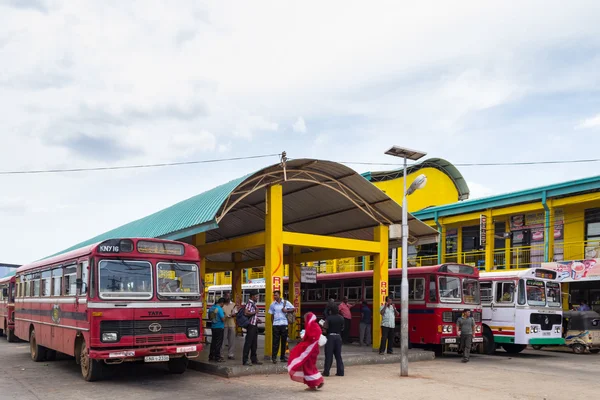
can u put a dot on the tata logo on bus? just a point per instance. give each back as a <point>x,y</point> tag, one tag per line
<point>154,328</point>
<point>155,313</point>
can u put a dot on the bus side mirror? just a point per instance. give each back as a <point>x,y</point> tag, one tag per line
<point>5,292</point>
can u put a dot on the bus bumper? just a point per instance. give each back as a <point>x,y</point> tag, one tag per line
<point>546,341</point>
<point>150,354</point>
<point>456,340</point>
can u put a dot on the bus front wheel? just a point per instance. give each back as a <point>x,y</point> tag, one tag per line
<point>178,365</point>
<point>489,346</point>
<point>513,348</point>
<point>91,370</point>
<point>38,353</point>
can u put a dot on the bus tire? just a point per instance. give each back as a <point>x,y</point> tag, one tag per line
<point>537,347</point>
<point>38,353</point>
<point>10,336</point>
<point>178,365</point>
<point>489,346</point>
<point>513,348</point>
<point>2,331</point>
<point>91,370</point>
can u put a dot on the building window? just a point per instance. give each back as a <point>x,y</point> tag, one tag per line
<point>470,238</point>
<point>592,233</point>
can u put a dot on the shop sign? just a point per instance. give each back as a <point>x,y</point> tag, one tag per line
<point>576,271</point>
<point>482,229</point>
<point>277,283</point>
<point>308,275</point>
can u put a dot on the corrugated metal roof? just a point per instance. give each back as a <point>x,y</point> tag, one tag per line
<point>320,197</point>
<point>439,163</point>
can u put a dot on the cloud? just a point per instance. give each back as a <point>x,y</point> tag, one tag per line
<point>299,126</point>
<point>37,5</point>
<point>592,122</point>
<point>249,125</point>
<point>97,148</point>
<point>478,190</point>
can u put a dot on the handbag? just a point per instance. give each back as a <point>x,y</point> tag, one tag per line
<point>289,315</point>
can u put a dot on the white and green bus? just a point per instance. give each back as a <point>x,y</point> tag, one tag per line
<point>520,308</point>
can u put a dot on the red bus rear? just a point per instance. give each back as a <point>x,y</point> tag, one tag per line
<point>7,307</point>
<point>437,297</point>
<point>118,301</point>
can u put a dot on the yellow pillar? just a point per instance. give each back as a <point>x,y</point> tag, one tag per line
<point>489,241</point>
<point>551,232</point>
<point>236,280</point>
<point>380,280</point>
<point>295,292</point>
<point>442,244</point>
<point>335,266</point>
<point>507,252</point>
<point>199,240</point>
<point>459,254</point>
<point>273,255</point>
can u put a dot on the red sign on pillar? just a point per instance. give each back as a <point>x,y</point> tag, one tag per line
<point>277,283</point>
<point>296,295</point>
<point>383,290</point>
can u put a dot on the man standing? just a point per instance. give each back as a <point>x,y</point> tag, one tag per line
<point>278,310</point>
<point>364,334</point>
<point>230,311</point>
<point>466,326</point>
<point>345,312</point>
<point>334,324</point>
<point>388,324</point>
<point>251,342</point>
<point>216,311</point>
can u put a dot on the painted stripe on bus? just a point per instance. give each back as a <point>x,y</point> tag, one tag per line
<point>46,323</point>
<point>77,316</point>
<point>130,305</point>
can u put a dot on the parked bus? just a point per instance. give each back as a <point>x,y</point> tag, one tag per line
<point>521,308</point>
<point>217,291</point>
<point>437,297</point>
<point>7,307</point>
<point>121,300</point>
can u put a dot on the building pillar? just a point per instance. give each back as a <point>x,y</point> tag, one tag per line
<point>295,293</point>
<point>273,271</point>
<point>549,234</point>
<point>459,254</point>
<point>380,280</point>
<point>199,239</point>
<point>489,241</point>
<point>236,280</point>
<point>507,250</point>
<point>442,246</point>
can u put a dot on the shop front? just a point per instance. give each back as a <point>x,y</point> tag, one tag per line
<point>580,282</point>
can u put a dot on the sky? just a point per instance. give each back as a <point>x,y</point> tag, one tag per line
<point>96,84</point>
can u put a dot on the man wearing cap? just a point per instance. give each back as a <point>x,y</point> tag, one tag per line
<point>251,342</point>
<point>466,326</point>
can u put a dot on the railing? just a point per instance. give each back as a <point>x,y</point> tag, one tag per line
<point>474,258</point>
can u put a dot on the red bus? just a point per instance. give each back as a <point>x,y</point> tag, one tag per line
<point>437,297</point>
<point>7,307</point>
<point>118,301</point>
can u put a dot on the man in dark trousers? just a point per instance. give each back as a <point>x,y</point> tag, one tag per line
<point>251,342</point>
<point>466,326</point>
<point>334,324</point>
<point>279,310</point>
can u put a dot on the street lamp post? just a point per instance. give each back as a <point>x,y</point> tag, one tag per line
<point>406,154</point>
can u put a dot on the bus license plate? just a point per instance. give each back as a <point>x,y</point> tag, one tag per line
<point>545,333</point>
<point>156,358</point>
<point>477,340</point>
<point>450,340</point>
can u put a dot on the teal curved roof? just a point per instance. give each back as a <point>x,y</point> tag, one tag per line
<point>438,163</point>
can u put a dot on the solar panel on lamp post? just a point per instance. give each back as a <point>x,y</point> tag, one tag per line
<point>406,154</point>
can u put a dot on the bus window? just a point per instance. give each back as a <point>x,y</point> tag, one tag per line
<point>416,289</point>
<point>28,286</point>
<point>369,293</point>
<point>521,293</point>
<point>36,286</point>
<point>84,277</point>
<point>486,292</point>
<point>450,290</point>
<point>505,292</point>
<point>471,291</point>
<point>354,293</point>
<point>333,293</point>
<point>211,298</point>
<point>46,283</point>
<point>536,295</point>
<point>311,295</point>
<point>57,281</point>
<point>70,278</point>
<point>396,292</point>
<point>432,289</point>
<point>553,294</point>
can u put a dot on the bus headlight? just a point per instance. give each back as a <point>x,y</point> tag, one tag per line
<point>110,337</point>
<point>536,329</point>
<point>478,329</point>
<point>192,332</point>
<point>557,329</point>
<point>447,329</point>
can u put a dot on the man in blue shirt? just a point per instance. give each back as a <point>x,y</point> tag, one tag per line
<point>279,310</point>
<point>366,318</point>
<point>217,327</point>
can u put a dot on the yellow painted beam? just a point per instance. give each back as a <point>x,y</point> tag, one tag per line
<point>582,198</point>
<point>330,242</point>
<point>232,245</point>
<point>522,208</point>
<point>273,270</point>
<point>295,292</point>
<point>380,280</point>
<point>461,219</point>
<point>326,255</point>
<point>489,241</point>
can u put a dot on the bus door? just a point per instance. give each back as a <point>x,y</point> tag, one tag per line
<point>503,307</point>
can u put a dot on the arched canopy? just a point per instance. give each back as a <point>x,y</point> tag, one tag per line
<point>319,197</point>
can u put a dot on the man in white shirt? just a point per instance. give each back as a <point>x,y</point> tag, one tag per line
<point>278,310</point>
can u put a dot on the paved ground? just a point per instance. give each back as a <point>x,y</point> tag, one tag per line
<point>531,375</point>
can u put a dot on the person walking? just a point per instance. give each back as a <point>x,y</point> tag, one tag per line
<point>466,325</point>
<point>302,365</point>
<point>388,324</point>
<point>344,309</point>
<point>229,333</point>
<point>217,326</point>
<point>366,318</point>
<point>330,304</point>
<point>251,342</point>
<point>278,310</point>
<point>334,324</point>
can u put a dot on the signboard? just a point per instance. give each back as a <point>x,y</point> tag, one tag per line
<point>576,271</point>
<point>277,283</point>
<point>482,229</point>
<point>383,289</point>
<point>308,275</point>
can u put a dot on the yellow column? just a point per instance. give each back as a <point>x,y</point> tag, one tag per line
<point>489,241</point>
<point>236,280</point>
<point>380,280</point>
<point>459,255</point>
<point>335,266</point>
<point>273,255</point>
<point>442,244</point>
<point>295,292</point>
<point>507,252</point>
<point>199,240</point>
<point>551,232</point>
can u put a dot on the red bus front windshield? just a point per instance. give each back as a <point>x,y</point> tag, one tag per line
<point>134,280</point>
<point>454,289</point>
